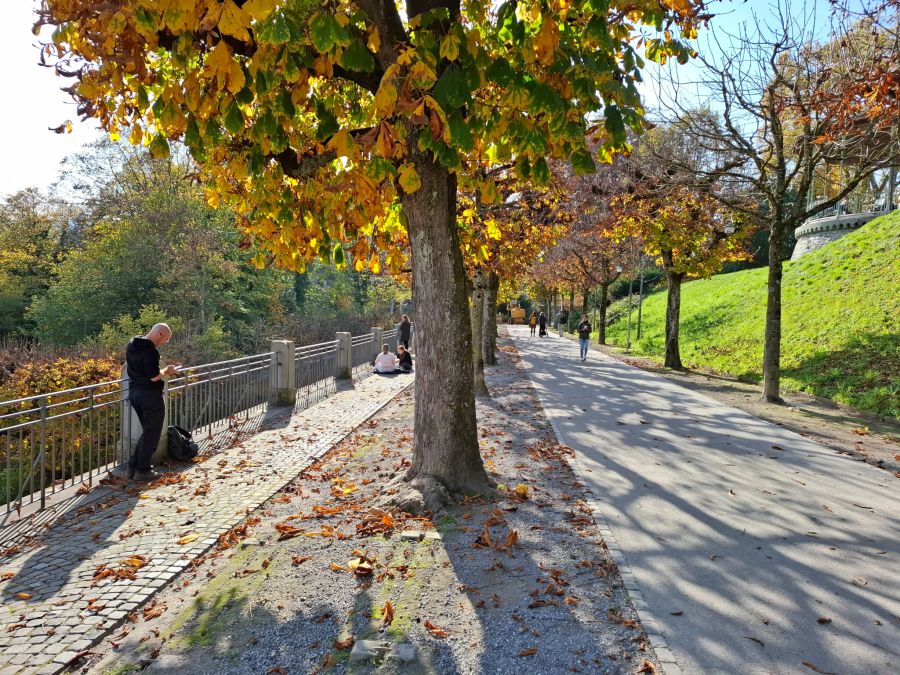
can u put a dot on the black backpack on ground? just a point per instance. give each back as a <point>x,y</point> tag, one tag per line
<point>182,446</point>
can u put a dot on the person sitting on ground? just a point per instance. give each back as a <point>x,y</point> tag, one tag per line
<point>386,361</point>
<point>404,360</point>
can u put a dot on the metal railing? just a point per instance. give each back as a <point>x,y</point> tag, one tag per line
<point>363,350</point>
<point>50,442</point>
<point>314,372</point>
<point>207,400</point>
<point>59,440</point>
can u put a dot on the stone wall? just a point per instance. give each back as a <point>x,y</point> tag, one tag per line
<point>817,232</point>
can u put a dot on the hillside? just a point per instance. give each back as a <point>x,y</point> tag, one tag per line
<point>841,322</point>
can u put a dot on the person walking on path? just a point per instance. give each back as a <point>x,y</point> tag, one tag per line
<point>584,336</point>
<point>542,322</point>
<point>404,331</point>
<point>532,322</point>
<point>145,394</point>
<point>561,319</point>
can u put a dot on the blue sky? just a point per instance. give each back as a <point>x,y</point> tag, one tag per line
<point>33,101</point>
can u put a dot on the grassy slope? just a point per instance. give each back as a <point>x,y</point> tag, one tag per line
<point>840,327</point>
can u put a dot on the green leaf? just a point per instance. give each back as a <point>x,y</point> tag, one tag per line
<point>500,72</point>
<point>328,124</point>
<point>326,33</point>
<point>582,162</point>
<point>544,98</point>
<point>357,57</point>
<point>234,119</point>
<point>256,163</point>
<point>284,104</point>
<point>614,124</point>
<point>460,134</point>
<point>452,90</point>
<point>192,134</point>
<point>540,172</point>
<point>338,254</point>
<point>274,30</point>
<point>159,147</point>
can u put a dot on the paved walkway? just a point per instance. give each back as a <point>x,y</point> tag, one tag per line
<point>57,601</point>
<point>747,548</point>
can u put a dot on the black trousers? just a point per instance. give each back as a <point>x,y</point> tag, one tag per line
<point>151,411</point>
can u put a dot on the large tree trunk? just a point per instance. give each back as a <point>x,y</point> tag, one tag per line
<point>673,318</point>
<point>489,329</point>
<point>446,457</point>
<point>476,316</point>
<point>601,327</point>
<point>772,345</point>
<point>584,301</point>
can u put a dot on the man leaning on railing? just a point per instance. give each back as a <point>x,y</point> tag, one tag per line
<point>145,393</point>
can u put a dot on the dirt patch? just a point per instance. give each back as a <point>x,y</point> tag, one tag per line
<point>843,429</point>
<point>512,582</point>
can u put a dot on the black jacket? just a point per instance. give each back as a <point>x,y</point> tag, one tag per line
<point>584,330</point>
<point>142,359</point>
<point>404,330</point>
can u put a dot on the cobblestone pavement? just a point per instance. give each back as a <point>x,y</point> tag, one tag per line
<point>91,570</point>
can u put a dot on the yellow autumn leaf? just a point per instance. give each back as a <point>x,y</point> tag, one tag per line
<point>188,538</point>
<point>409,179</point>
<point>547,40</point>
<point>233,21</point>
<point>375,264</point>
<point>343,144</point>
<point>374,40</point>
<point>23,596</point>
<point>385,99</point>
<point>259,10</point>
<point>136,135</point>
<point>489,193</point>
<point>360,264</point>
<point>450,47</point>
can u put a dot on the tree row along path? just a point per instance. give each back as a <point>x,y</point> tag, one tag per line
<point>92,570</point>
<point>746,547</point>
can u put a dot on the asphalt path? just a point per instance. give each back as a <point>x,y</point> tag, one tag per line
<point>754,549</point>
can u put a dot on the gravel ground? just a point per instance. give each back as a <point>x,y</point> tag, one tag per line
<point>518,582</point>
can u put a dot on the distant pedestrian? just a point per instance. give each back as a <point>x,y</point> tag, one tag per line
<point>145,393</point>
<point>584,336</point>
<point>532,322</point>
<point>404,331</point>
<point>561,319</point>
<point>542,322</point>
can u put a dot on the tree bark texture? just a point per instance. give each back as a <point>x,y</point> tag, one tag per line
<point>772,343</point>
<point>673,319</point>
<point>489,329</point>
<point>601,323</point>
<point>476,315</point>
<point>445,437</point>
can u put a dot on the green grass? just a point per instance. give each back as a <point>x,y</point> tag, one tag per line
<point>840,323</point>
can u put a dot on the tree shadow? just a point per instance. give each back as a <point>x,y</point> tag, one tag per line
<point>742,536</point>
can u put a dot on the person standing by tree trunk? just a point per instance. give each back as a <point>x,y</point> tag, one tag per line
<point>145,394</point>
<point>405,331</point>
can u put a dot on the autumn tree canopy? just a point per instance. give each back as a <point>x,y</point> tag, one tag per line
<point>352,124</point>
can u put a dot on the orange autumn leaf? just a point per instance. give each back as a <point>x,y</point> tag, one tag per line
<point>344,644</point>
<point>435,631</point>
<point>334,567</point>
<point>531,651</point>
<point>7,575</point>
<point>511,540</point>
<point>188,538</point>
<point>23,596</point>
<point>387,613</point>
<point>136,561</point>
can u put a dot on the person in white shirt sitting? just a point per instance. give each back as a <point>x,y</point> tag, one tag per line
<point>386,361</point>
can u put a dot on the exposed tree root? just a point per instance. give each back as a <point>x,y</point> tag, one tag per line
<point>425,494</point>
